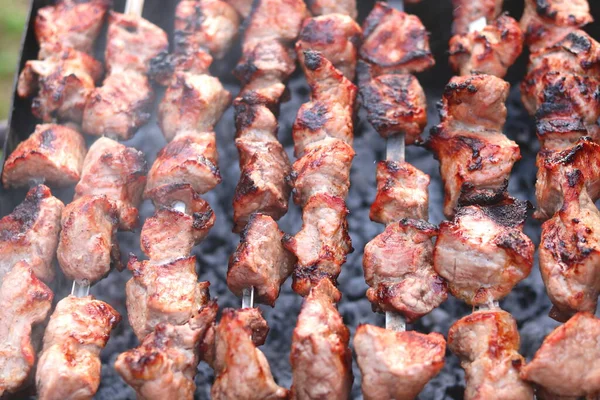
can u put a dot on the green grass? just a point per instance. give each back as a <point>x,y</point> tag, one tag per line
<point>12,23</point>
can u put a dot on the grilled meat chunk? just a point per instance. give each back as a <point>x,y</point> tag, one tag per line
<point>210,25</point>
<point>53,154</point>
<point>243,7</point>
<point>475,157</point>
<point>487,343</point>
<point>398,268</point>
<point>467,11</point>
<point>489,51</point>
<point>26,301</point>
<point>71,23</point>
<point>69,366</point>
<point>30,233</point>
<point>325,7</point>
<point>548,22</point>
<point>397,365</point>
<point>166,292</point>
<point>88,244</point>
<point>163,367</point>
<point>570,251</point>
<point>323,243</point>
<point>568,362</point>
<point>395,42</point>
<point>402,192</point>
<point>62,79</point>
<point>336,36</point>
<point>118,172</point>
<point>260,261</point>
<point>330,111</point>
<point>320,357</point>
<point>242,371</point>
<point>484,253</point>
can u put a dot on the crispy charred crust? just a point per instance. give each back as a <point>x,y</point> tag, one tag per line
<point>511,213</point>
<point>313,60</point>
<point>161,68</point>
<point>24,215</point>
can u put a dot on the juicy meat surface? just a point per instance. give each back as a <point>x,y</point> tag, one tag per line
<point>397,365</point>
<point>71,23</point>
<point>320,357</point>
<point>163,367</point>
<point>260,261</point>
<point>402,192</point>
<point>475,157</point>
<point>242,370</point>
<point>483,253</point>
<point>118,172</point>
<point>26,301</point>
<point>395,42</point>
<point>88,246</point>
<point>467,11</point>
<point>336,36</point>
<point>489,51</point>
<point>325,7</point>
<point>546,22</point>
<point>52,153</point>
<point>487,343</point>
<point>30,233</point>
<point>322,244</point>
<point>568,362</point>
<point>69,366</point>
<point>398,266</point>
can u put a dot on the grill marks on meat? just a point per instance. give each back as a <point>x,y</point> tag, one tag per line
<point>26,301</point>
<point>30,233</point>
<point>483,253</point>
<point>489,51</point>
<point>398,266</point>
<point>123,103</point>
<point>568,362</point>
<point>260,261</point>
<point>320,357</point>
<point>467,11</point>
<point>475,157</point>
<point>546,22</point>
<point>242,370</point>
<point>325,7</point>
<point>69,365</point>
<point>487,343</point>
<point>53,154</point>
<point>397,365</point>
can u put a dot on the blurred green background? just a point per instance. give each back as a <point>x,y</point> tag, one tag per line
<point>12,22</point>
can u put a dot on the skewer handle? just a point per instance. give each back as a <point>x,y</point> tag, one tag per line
<point>134,7</point>
<point>394,322</point>
<point>248,298</point>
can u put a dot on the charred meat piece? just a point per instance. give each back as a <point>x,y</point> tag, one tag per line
<point>570,251</point>
<point>242,370</point>
<point>118,172</point>
<point>323,243</point>
<point>487,343</point>
<point>568,362</point>
<point>320,357</point>
<point>30,233</point>
<point>53,154</point>
<point>397,365</point>
<point>402,192</point>
<point>325,7</point>
<point>489,51</point>
<point>163,367</point>
<point>475,157</point>
<point>69,366</point>
<point>484,253</point>
<point>26,301</point>
<point>468,11</point>
<point>62,79</point>
<point>395,42</point>
<point>336,36</point>
<point>330,112</point>
<point>260,261</point>
<point>205,25</point>
<point>548,22</point>
<point>71,23</point>
<point>163,292</point>
<point>88,244</point>
<point>398,267</point>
